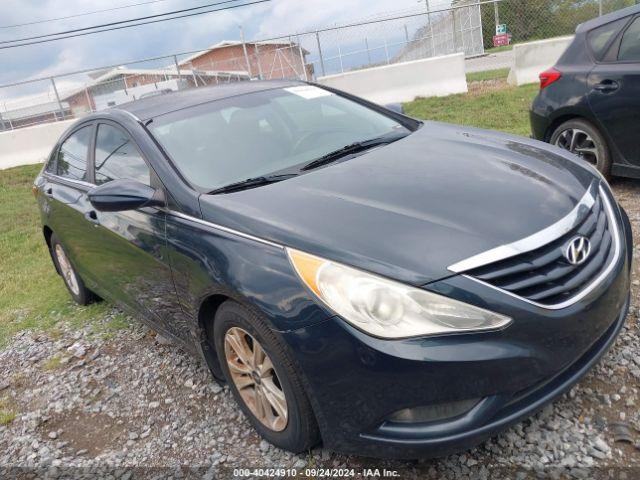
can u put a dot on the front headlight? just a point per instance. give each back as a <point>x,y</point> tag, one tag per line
<point>385,308</point>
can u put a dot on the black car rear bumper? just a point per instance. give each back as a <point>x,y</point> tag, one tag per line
<point>540,122</point>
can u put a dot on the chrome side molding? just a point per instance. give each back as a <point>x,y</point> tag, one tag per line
<point>222,228</point>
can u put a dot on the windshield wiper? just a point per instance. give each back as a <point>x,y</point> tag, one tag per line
<point>252,182</point>
<point>352,148</point>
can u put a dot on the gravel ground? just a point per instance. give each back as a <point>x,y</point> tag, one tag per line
<point>136,405</point>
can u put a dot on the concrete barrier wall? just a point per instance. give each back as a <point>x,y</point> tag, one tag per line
<point>25,146</point>
<point>403,82</point>
<point>532,58</point>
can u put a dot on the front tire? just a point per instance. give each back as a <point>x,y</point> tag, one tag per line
<point>585,140</point>
<point>263,379</point>
<point>76,287</point>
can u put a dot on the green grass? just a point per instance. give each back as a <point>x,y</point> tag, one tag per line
<point>503,108</point>
<point>32,295</point>
<point>7,413</point>
<point>499,74</point>
<point>52,363</point>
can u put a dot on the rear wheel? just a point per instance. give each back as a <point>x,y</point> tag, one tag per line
<point>582,138</point>
<point>263,379</point>
<point>79,292</point>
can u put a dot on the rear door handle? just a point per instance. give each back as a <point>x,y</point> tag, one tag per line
<point>607,86</point>
<point>92,216</point>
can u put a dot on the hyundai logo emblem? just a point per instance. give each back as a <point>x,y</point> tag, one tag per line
<point>577,250</point>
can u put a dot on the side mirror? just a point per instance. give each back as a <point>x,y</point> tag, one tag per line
<point>120,195</point>
<point>395,107</point>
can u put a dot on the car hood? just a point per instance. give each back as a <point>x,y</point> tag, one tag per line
<point>410,209</point>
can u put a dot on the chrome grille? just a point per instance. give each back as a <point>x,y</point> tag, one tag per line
<point>544,275</point>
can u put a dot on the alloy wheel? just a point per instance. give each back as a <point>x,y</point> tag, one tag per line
<point>579,142</point>
<point>67,270</point>
<point>254,375</point>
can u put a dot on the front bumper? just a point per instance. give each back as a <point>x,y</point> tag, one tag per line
<point>355,382</point>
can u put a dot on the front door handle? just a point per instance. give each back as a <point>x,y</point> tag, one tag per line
<point>92,216</point>
<point>607,86</point>
<point>49,192</point>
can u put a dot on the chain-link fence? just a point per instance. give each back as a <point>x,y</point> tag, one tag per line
<point>527,20</point>
<point>438,27</point>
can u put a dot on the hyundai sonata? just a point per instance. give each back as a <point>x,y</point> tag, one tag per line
<point>387,286</point>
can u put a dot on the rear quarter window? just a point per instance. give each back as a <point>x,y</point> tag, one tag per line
<point>630,44</point>
<point>599,38</point>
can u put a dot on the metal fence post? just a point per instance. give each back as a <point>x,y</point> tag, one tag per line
<point>55,90</point>
<point>320,53</point>
<point>406,33</point>
<point>301,52</point>
<point>257,52</point>
<point>433,40</point>
<point>175,60</point>
<point>496,12</point>
<point>86,93</point>
<point>455,31</point>
<point>600,8</point>
<point>366,44</point>
<point>339,51</point>
<point>386,51</point>
<point>244,49</point>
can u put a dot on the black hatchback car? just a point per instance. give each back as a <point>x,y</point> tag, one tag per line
<point>589,102</point>
<point>387,286</point>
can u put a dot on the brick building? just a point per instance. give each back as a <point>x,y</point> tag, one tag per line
<point>120,85</point>
<point>266,60</point>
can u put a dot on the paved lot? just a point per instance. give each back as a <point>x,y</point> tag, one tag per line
<point>492,61</point>
<point>133,404</point>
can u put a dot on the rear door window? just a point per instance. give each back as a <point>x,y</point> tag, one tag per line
<point>73,154</point>
<point>630,44</point>
<point>118,157</point>
<point>599,38</point>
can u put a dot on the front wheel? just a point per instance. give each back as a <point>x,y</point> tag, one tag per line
<point>583,139</point>
<point>263,379</point>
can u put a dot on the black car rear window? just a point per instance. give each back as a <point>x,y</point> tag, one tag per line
<point>599,37</point>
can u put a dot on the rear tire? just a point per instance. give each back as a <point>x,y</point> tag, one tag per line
<point>72,280</point>
<point>585,140</point>
<point>289,423</point>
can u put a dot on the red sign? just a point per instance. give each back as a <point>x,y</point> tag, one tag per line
<point>501,40</point>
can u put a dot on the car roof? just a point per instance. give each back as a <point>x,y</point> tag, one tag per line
<point>609,17</point>
<point>153,106</point>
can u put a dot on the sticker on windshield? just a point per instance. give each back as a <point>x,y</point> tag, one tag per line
<point>308,91</point>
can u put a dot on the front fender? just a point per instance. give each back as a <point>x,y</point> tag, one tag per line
<point>209,261</point>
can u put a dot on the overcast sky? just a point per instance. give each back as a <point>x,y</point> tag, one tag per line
<point>259,21</point>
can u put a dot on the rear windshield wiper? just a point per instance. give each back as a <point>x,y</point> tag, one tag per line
<point>252,182</point>
<point>352,148</point>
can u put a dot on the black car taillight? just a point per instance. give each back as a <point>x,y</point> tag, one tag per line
<point>548,77</point>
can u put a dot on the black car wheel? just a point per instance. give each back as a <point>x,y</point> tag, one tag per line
<point>79,292</point>
<point>583,139</point>
<point>263,379</point>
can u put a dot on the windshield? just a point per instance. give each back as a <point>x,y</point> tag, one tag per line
<point>248,136</point>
